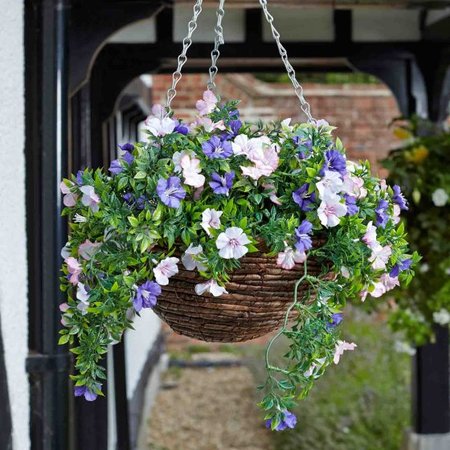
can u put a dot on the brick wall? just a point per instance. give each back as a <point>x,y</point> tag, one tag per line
<point>361,112</point>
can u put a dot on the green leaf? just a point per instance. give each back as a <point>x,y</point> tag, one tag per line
<point>140,175</point>
<point>133,221</point>
<point>64,339</point>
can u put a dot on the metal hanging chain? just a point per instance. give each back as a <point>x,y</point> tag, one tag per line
<point>218,40</point>
<point>182,58</point>
<point>304,105</point>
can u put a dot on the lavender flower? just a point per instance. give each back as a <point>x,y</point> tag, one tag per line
<point>217,148</point>
<point>336,319</point>
<point>303,199</point>
<point>182,129</point>
<point>235,126</point>
<point>222,185</point>
<point>146,295</point>
<point>302,233</point>
<point>128,197</point>
<point>127,147</point>
<point>88,394</point>
<point>304,146</point>
<point>399,198</point>
<point>170,191</point>
<point>80,178</point>
<point>381,214</point>
<point>115,168</point>
<point>334,162</point>
<point>400,267</point>
<point>289,421</point>
<point>352,207</point>
<point>127,156</point>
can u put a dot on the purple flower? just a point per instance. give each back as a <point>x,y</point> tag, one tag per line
<point>302,233</point>
<point>381,215</point>
<point>235,126</point>
<point>304,146</point>
<point>400,267</point>
<point>399,198</point>
<point>128,197</point>
<point>182,129</point>
<point>115,167</point>
<point>222,185</point>
<point>352,207</point>
<point>336,319</point>
<point>170,191</point>
<point>303,199</point>
<point>335,162</point>
<point>128,158</point>
<point>88,394</point>
<point>217,148</point>
<point>234,114</point>
<point>127,147</point>
<point>146,295</point>
<point>289,421</point>
<point>80,178</point>
<point>140,202</point>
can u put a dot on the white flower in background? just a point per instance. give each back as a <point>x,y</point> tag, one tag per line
<point>208,104</point>
<point>442,317</point>
<point>210,286</point>
<point>331,183</point>
<point>232,243</point>
<point>370,237</point>
<point>380,256</point>
<point>331,209</point>
<point>83,297</point>
<point>211,219</point>
<point>447,271</point>
<point>90,198</point>
<point>341,347</point>
<point>404,347</point>
<point>165,269</point>
<point>191,258</point>
<point>191,171</point>
<point>424,268</point>
<point>287,259</point>
<point>439,197</point>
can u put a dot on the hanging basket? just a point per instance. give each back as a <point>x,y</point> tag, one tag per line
<point>259,293</point>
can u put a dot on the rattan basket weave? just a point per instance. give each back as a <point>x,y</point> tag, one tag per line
<point>259,294</point>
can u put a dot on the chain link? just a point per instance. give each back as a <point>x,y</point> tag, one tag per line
<point>304,105</point>
<point>218,40</point>
<point>182,58</point>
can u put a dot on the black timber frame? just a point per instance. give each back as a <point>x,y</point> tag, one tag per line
<point>5,408</point>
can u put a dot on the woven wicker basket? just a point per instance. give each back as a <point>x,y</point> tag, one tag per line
<point>259,294</point>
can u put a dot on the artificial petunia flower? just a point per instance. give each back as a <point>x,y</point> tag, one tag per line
<point>352,207</point>
<point>385,284</point>
<point>65,251</point>
<point>289,257</point>
<point>177,157</point>
<point>265,161</point>
<point>70,198</point>
<point>115,168</point>
<point>87,249</point>
<point>208,125</point>
<point>158,124</point>
<point>232,243</point>
<point>146,295</point>
<point>341,347</point>
<point>380,256</point>
<point>210,219</point>
<point>181,128</point>
<point>192,171</point>
<point>370,237</point>
<point>400,267</point>
<point>334,162</point>
<point>354,186</point>
<point>83,391</point>
<point>74,269</point>
<point>289,421</point>
<point>78,218</point>
<point>304,199</point>
<point>217,148</point>
<point>302,234</point>
<point>243,145</point>
<point>83,297</point>
<point>191,258</point>
<point>336,319</point>
<point>381,215</point>
<point>331,183</point>
<point>165,269</point>
<point>90,198</point>
<point>170,191</point>
<point>221,185</point>
<point>208,104</point>
<point>330,210</point>
<point>399,198</point>
<point>210,286</point>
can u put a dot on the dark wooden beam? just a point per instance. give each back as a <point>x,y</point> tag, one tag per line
<point>5,409</point>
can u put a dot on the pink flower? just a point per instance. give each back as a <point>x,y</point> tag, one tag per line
<point>69,199</point>
<point>266,161</point>
<point>176,159</point>
<point>192,258</point>
<point>74,269</point>
<point>158,111</point>
<point>396,214</point>
<point>231,244</point>
<point>90,198</point>
<point>211,219</point>
<point>87,249</point>
<point>287,259</point>
<point>341,347</point>
<point>191,171</point>
<point>331,183</point>
<point>331,209</point>
<point>165,269</point>
<point>210,286</point>
<point>380,256</point>
<point>354,186</point>
<point>160,127</point>
<point>385,284</point>
<point>370,237</point>
<point>208,124</point>
<point>208,104</point>
<point>363,294</point>
<point>63,307</point>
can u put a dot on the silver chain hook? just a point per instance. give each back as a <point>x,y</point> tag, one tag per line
<point>304,105</point>
<point>218,40</point>
<point>182,58</point>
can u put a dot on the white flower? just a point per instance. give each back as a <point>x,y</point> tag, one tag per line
<point>90,198</point>
<point>370,237</point>
<point>442,317</point>
<point>65,251</point>
<point>380,256</point>
<point>341,347</point>
<point>231,244</point>
<point>315,367</point>
<point>385,284</point>
<point>354,186</point>
<point>404,347</point>
<point>83,297</point>
<point>345,272</point>
<point>87,249</point>
<point>331,209</point>
<point>396,214</point>
<point>285,125</point>
<point>266,160</point>
<point>160,127</point>
<point>191,171</point>
<point>208,104</point>
<point>287,259</point>
<point>424,268</point>
<point>165,269</point>
<point>176,159</point>
<point>439,197</point>
<point>191,256</point>
<point>78,218</point>
<point>331,183</point>
<point>208,124</point>
<point>210,286</point>
<point>211,219</point>
<point>242,145</point>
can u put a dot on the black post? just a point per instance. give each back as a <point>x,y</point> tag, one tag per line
<point>5,411</point>
<point>46,146</point>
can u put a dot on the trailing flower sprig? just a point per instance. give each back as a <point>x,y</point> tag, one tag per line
<point>204,195</point>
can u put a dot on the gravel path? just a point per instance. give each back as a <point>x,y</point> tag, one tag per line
<point>208,409</point>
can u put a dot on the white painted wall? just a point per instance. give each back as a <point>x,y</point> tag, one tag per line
<point>13,263</point>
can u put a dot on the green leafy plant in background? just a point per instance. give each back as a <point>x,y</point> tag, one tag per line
<point>421,166</point>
